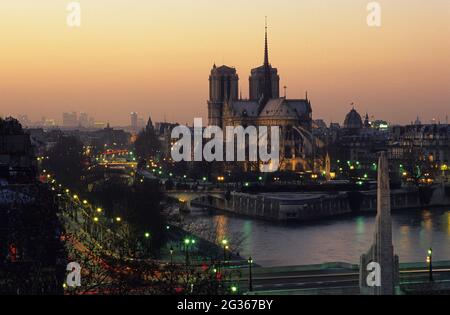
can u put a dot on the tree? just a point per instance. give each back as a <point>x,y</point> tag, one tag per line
<point>30,236</point>
<point>67,161</point>
<point>147,224</point>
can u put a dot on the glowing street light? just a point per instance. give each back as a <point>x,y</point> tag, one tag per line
<point>225,247</point>
<point>187,241</point>
<point>99,210</point>
<point>250,279</point>
<point>118,219</point>
<point>430,264</point>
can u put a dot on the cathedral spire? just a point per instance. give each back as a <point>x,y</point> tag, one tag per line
<point>266,48</point>
<point>267,94</point>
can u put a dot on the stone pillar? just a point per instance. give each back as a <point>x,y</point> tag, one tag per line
<point>382,250</point>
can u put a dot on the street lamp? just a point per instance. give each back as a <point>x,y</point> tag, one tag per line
<point>225,246</point>
<point>118,219</point>
<point>250,279</point>
<point>430,263</point>
<point>186,244</point>
<point>147,242</point>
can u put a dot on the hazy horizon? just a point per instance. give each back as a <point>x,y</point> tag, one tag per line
<point>154,57</point>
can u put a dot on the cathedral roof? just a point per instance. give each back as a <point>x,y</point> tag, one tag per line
<point>276,107</point>
<point>247,108</point>
<point>281,107</point>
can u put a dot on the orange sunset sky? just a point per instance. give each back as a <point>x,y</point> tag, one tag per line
<point>154,56</point>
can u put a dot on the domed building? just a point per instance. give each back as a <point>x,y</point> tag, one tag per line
<point>353,120</point>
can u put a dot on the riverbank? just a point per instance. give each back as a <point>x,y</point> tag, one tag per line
<point>311,206</point>
<point>199,250</point>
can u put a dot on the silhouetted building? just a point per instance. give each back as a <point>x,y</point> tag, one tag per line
<point>17,161</point>
<point>264,108</point>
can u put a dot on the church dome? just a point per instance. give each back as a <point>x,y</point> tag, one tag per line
<point>353,120</point>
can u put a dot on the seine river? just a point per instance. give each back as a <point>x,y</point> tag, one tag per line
<point>337,240</point>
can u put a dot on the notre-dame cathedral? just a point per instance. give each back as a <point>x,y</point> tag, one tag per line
<point>264,107</point>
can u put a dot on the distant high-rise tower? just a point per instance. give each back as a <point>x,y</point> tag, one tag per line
<point>134,121</point>
<point>264,81</point>
<point>83,120</point>
<point>70,120</point>
<point>223,85</point>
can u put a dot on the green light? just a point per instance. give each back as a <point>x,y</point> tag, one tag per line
<point>234,289</point>
<point>187,241</point>
<point>167,227</point>
<point>147,235</point>
<point>260,178</point>
<point>247,184</point>
<point>430,252</point>
<point>204,179</point>
<point>224,242</point>
<point>193,241</point>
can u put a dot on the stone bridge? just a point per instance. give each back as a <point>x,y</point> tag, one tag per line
<point>187,196</point>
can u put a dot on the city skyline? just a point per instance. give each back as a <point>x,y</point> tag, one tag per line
<point>155,58</point>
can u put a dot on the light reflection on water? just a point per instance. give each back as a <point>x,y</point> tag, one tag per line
<point>343,239</point>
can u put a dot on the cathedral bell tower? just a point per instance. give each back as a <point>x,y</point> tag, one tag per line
<point>223,86</point>
<point>264,81</point>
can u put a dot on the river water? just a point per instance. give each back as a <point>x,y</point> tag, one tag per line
<point>337,240</point>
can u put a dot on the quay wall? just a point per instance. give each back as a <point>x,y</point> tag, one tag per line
<point>314,206</point>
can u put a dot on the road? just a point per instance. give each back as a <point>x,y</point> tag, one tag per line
<point>332,280</point>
